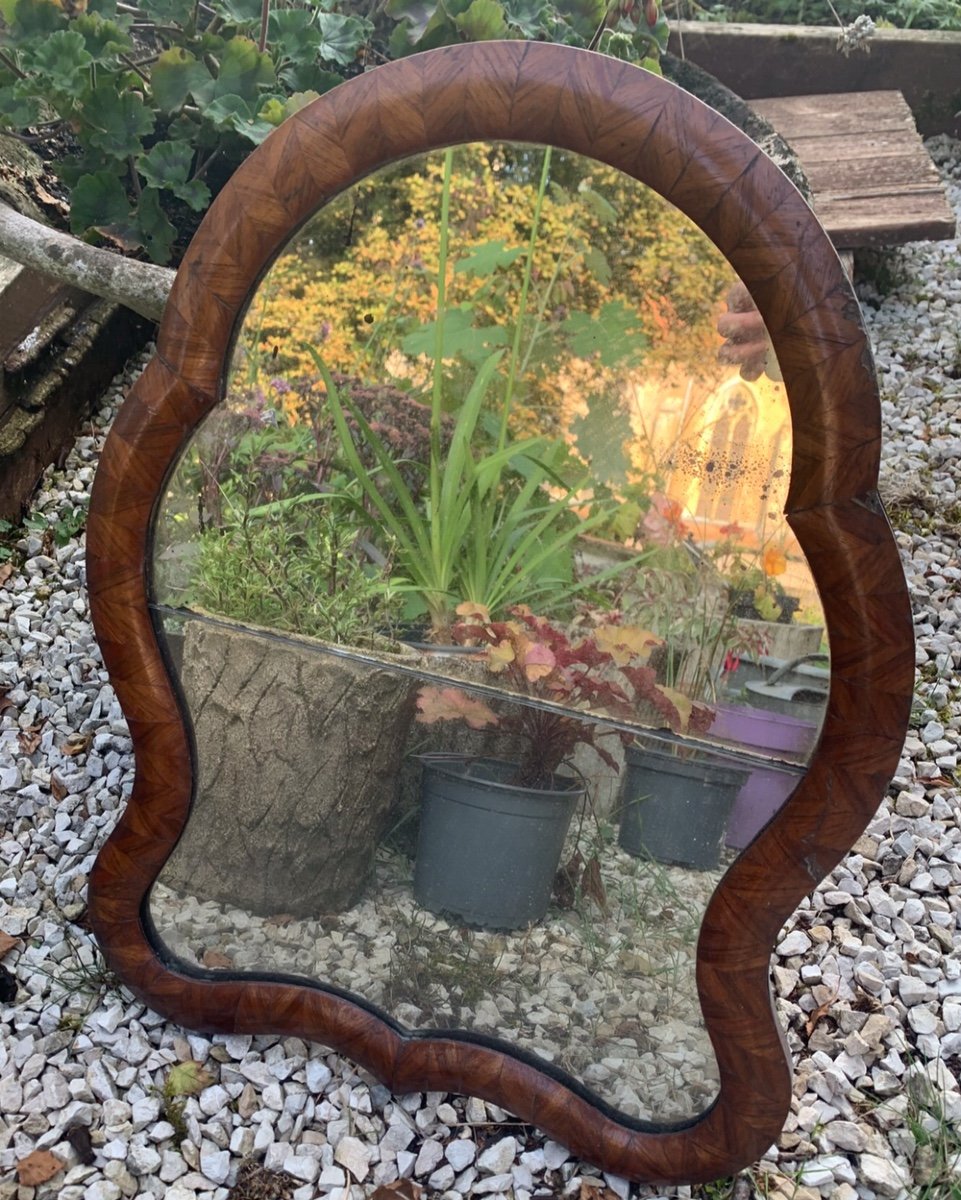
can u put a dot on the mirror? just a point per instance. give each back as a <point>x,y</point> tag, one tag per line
<point>494,643</point>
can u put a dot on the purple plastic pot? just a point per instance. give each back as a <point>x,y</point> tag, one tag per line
<point>768,786</point>
<point>760,729</point>
<point>766,790</point>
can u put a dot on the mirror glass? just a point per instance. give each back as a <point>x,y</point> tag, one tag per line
<point>495,645</point>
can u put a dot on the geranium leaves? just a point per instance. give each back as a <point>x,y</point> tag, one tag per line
<point>175,76</point>
<point>483,21</point>
<point>150,114</point>
<point>118,123</point>
<point>168,166</point>
<point>341,37</point>
<point>63,57</point>
<point>99,202</point>
<point>244,71</point>
<point>98,199</point>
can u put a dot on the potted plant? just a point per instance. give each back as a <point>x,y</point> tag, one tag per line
<point>259,590</point>
<point>492,831</point>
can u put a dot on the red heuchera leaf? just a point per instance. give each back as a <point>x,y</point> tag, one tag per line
<point>644,682</point>
<point>536,661</point>
<point>451,704</point>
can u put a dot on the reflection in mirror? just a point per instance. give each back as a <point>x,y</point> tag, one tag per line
<point>494,642</point>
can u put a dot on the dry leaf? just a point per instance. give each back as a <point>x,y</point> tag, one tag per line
<point>281,920</point>
<point>591,1191</point>
<point>58,789</point>
<point>38,1167</point>
<point>5,701</point>
<point>77,743</point>
<point>592,885</point>
<point>79,1138</point>
<point>215,959</point>
<point>6,570</point>
<point>7,942</point>
<point>29,738</point>
<point>406,1189</point>
<point>187,1078</point>
<point>822,1010</point>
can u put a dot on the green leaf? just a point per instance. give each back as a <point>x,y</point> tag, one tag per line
<point>273,111</point>
<point>461,337</point>
<point>483,21</point>
<point>104,39</point>
<point>97,199</point>
<point>118,121</point>
<point>231,112</point>
<point>600,439</point>
<point>298,101</point>
<point>615,335</point>
<point>599,205</point>
<point>486,258</point>
<point>176,74</point>
<point>168,166</point>
<point>294,31</point>
<point>597,264</point>
<point>168,12</point>
<point>341,37</point>
<point>37,18</point>
<point>244,70</point>
<point>308,77</point>
<point>158,234</point>
<point>225,110</point>
<point>239,12</point>
<point>424,24</point>
<point>63,59</point>
<point>416,16</point>
<point>526,16</point>
<point>18,106</point>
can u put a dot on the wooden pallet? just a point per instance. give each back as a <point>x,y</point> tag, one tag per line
<point>873,182</point>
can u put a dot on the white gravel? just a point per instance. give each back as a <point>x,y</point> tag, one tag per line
<point>867,972</point>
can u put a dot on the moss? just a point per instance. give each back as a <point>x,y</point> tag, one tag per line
<point>17,428</point>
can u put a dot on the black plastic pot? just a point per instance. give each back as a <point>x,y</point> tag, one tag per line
<point>488,850</point>
<point>675,804</point>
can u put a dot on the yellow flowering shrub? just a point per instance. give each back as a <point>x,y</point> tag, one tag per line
<point>621,283</point>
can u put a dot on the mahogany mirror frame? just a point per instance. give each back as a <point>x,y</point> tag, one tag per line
<point>662,136</point>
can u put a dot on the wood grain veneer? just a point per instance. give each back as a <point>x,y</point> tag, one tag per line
<point>649,129</point>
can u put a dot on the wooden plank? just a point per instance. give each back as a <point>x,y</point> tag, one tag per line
<point>855,173</point>
<point>856,223</point>
<point>856,113</point>
<point>872,181</point>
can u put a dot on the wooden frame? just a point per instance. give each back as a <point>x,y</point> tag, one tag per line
<point>646,127</point>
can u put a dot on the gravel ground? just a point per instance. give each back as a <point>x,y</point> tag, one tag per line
<point>868,971</point>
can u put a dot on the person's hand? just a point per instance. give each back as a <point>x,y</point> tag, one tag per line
<point>747,343</point>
